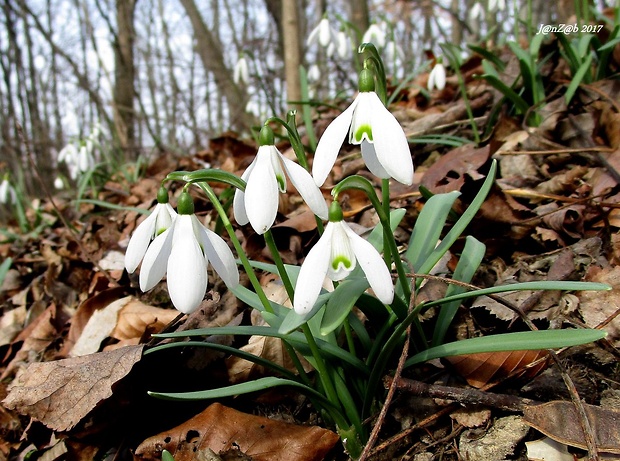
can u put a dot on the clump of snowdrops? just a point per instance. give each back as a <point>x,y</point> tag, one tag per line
<point>342,275</point>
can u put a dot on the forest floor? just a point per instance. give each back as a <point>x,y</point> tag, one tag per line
<point>74,325</point>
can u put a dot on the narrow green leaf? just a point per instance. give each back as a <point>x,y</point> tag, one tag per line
<point>428,227</point>
<point>520,104</point>
<point>539,285</point>
<point>525,340</point>
<point>260,384</point>
<point>577,79</point>
<point>468,264</point>
<point>489,56</point>
<point>460,226</point>
<point>341,302</point>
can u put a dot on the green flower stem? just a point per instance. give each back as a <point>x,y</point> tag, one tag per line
<point>250,272</point>
<point>349,335</point>
<point>320,364</point>
<point>387,250</point>
<point>235,241</point>
<point>277,259</point>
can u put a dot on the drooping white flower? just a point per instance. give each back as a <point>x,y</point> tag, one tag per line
<point>384,145</point>
<point>341,45</point>
<point>375,35</point>
<point>157,222</point>
<point>59,183</point>
<point>265,177</point>
<point>241,71</point>
<point>322,33</point>
<point>8,196</point>
<point>437,76</point>
<point>393,53</point>
<point>497,5</point>
<point>314,73</point>
<point>476,13</point>
<point>182,253</point>
<point>334,256</point>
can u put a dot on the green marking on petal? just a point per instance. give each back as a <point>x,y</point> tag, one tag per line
<point>341,260</point>
<point>281,182</point>
<point>359,133</point>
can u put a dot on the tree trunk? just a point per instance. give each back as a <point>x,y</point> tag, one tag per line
<point>360,16</point>
<point>213,62</point>
<point>124,75</point>
<point>292,49</point>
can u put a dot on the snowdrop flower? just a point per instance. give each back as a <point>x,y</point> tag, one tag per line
<point>59,184</point>
<point>8,196</point>
<point>393,53</point>
<point>335,255</point>
<point>322,33</point>
<point>437,77</point>
<point>265,177</point>
<point>157,222</point>
<point>241,72</point>
<point>314,73</point>
<point>497,5</point>
<point>375,35</point>
<point>384,145</point>
<point>476,12</point>
<point>341,45</point>
<point>182,252</point>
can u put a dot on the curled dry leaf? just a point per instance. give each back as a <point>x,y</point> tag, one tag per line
<point>480,369</point>
<point>60,394</point>
<point>219,428</point>
<point>559,420</point>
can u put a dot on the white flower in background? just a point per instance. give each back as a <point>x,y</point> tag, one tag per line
<point>265,177</point>
<point>59,184</point>
<point>322,33</point>
<point>334,256</point>
<point>80,157</point>
<point>375,35</point>
<point>314,73</point>
<point>476,13</point>
<point>383,142</point>
<point>182,253</point>
<point>497,5</point>
<point>157,222</point>
<point>241,72</point>
<point>393,53</point>
<point>341,45</point>
<point>437,76</point>
<point>8,196</point>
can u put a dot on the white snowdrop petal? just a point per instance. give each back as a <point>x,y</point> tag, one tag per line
<point>239,199</point>
<point>373,265</point>
<point>139,242</point>
<point>187,268</point>
<point>342,258</point>
<point>306,187</point>
<point>312,273</point>
<point>156,260</point>
<point>221,257</point>
<point>391,144</point>
<point>369,154</point>
<point>261,193</point>
<point>330,143</point>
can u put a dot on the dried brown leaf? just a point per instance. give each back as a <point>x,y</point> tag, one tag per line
<point>60,394</point>
<point>559,420</point>
<point>448,173</point>
<point>480,369</point>
<point>220,428</point>
<point>602,306</point>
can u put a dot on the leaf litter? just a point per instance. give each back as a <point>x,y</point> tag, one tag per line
<point>74,325</point>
